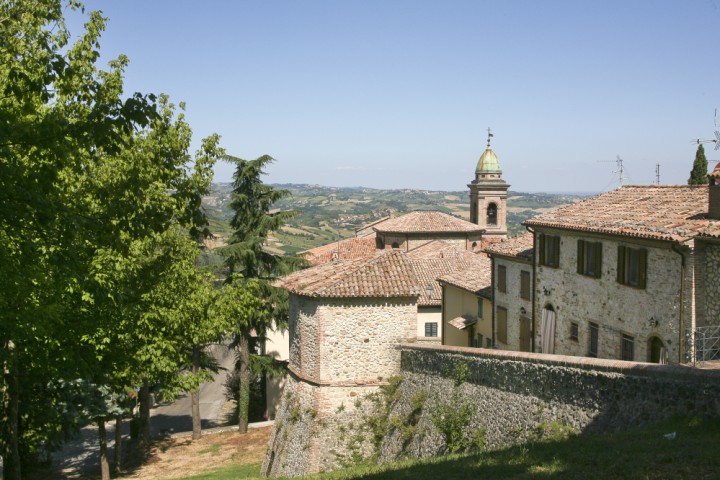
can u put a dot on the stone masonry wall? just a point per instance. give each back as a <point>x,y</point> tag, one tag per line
<point>511,300</point>
<point>708,281</point>
<point>515,395</point>
<point>618,309</point>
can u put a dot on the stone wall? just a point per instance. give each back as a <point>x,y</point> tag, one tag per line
<point>518,395</point>
<point>708,281</point>
<point>655,311</point>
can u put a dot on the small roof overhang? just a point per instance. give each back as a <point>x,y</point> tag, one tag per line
<point>463,321</point>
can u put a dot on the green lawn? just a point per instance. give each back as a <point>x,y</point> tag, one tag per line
<point>643,454</point>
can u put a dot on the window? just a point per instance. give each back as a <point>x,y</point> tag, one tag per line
<point>594,337</point>
<point>627,348</point>
<point>501,324</point>
<point>431,329</point>
<point>502,278</point>
<point>574,331</point>
<point>480,309</point>
<point>549,250</point>
<point>632,266</point>
<point>492,214</point>
<point>589,258</point>
<point>525,285</point>
<point>488,343</point>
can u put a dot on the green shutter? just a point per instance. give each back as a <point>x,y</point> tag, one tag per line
<point>542,249</point>
<point>621,264</point>
<point>581,257</point>
<point>642,268</point>
<point>556,251</point>
<point>598,259</point>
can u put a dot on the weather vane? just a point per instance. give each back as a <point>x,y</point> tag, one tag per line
<point>716,140</point>
<point>490,135</point>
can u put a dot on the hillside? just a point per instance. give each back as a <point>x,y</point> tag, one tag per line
<point>327,214</point>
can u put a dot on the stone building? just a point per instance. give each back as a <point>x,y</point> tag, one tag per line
<point>415,229</point>
<point>512,269</point>
<point>628,274</point>
<point>347,320</point>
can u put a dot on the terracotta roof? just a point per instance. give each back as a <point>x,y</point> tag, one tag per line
<point>436,249</point>
<point>476,278</point>
<point>520,247</point>
<point>463,321</point>
<point>347,249</point>
<point>715,173</point>
<point>671,212</point>
<point>470,270</point>
<point>427,222</point>
<point>387,274</point>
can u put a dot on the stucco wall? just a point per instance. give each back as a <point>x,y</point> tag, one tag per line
<point>429,314</point>
<point>458,302</point>
<point>618,309</point>
<point>510,299</point>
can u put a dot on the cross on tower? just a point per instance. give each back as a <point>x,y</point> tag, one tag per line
<point>490,135</point>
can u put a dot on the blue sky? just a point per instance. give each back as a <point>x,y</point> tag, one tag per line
<point>399,94</point>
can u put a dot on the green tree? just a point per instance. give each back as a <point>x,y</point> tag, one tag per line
<point>698,174</point>
<point>252,223</point>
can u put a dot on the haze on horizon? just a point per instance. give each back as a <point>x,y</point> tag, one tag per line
<point>400,94</point>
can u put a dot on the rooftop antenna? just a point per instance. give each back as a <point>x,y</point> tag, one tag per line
<point>620,169</point>
<point>716,140</point>
<point>657,174</point>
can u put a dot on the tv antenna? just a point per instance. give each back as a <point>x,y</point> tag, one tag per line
<point>657,174</point>
<point>620,172</point>
<point>716,140</point>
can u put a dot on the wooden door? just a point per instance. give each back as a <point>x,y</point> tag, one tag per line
<point>525,334</point>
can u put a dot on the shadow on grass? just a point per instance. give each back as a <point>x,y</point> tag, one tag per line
<point>644,453</point>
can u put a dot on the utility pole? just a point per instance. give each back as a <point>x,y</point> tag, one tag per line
<point>657,174</point>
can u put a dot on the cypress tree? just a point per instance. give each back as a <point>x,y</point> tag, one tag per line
<point>698,174</point>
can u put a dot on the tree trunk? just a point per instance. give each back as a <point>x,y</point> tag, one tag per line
<point>244,393</point>
<point>195,396</point>
<point>118,445</point>
<point>102,440</point>
<point>144,422</point>
<point>11,403</point>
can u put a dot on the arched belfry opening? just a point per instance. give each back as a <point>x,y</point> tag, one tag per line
<point>492,214</point>
<point>488,194</point>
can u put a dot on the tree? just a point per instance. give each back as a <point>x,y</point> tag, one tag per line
<point>252,222</point>
<point>698,174</point>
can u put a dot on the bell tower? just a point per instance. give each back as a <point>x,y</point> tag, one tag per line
<point>488,196</point>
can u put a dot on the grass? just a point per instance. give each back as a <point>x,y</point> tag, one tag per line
<point>643,453</point>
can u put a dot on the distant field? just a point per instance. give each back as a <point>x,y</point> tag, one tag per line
<point>328,214</point>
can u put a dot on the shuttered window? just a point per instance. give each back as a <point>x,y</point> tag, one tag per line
<point>502,324</point>
<point>502,278</point>
<point>632,266</point>
<point>525,285</point>
<point>549,250</point>
<point>589,258</point>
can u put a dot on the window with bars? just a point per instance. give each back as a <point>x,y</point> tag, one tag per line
<point>574,331</point>
<point>632,266</point>
<point>525,285</point>
<point>431,329</point>
<point>594,339</point>
<point>627,348</point>
<point>589,258</point>
<point>549,250</point>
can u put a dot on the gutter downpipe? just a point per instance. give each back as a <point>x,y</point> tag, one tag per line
<point>532,295</point>
<point>681,347</point>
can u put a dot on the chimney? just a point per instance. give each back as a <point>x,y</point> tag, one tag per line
<point>714,193</point>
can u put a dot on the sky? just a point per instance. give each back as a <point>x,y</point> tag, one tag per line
<point>400,93</point>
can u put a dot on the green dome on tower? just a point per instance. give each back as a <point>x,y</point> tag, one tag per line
<point>488,162</point>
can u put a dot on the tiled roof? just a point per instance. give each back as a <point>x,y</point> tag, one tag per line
<point>436,249</point>
<point>470,270</point>
<point>476,278</point>
<point>672,212</point>
<point>520,247</point>
<point>427,222</point>
<point>387,274</point>
<point>347,249</point>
